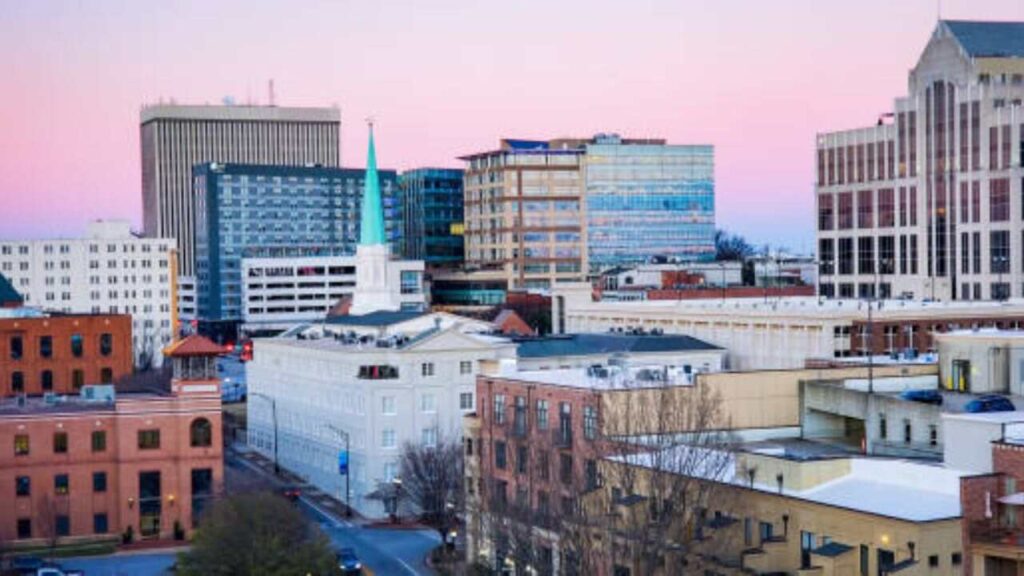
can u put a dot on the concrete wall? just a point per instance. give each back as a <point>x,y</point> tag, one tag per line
<point>827,406</point>
<point>996,362</point>
<point>968,441</point>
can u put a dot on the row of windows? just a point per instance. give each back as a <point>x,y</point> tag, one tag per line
<point>200,436</point>
<point>46,381</point>
<point>520,419</point>
<point>62,526</point>
<point>61,484</point>
<point>7,249</point>
<point>76,344</point>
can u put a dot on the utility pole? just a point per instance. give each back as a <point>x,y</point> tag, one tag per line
<point>273,409</point>
<point>348,469</point>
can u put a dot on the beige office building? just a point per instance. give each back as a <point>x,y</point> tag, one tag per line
<point>784,332</point>
<point>175,138</point>
<point>927,202</point>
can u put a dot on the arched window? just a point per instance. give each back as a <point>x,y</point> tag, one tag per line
<point>201,432</point>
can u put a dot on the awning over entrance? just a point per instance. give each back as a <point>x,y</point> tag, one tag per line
<point>1013,499</point>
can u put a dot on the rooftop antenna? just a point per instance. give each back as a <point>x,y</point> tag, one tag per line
<point>270,91</point>
<point>938,10</point>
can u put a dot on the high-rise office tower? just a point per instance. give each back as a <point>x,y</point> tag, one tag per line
<point>175,138</point>
<point>251,211</point>
<point>926,203</point>
<point>541,212</point>
<point>432,215</point>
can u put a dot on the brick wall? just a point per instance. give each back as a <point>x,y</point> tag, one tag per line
<point>91,367</point>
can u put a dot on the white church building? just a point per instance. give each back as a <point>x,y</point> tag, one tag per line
<point>369,381</point>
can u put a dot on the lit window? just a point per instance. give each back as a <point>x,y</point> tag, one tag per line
<point>149,439</point>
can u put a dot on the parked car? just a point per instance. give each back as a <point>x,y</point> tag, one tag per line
<point>349,562</point>
<point>990,403</point>
<point>292,493</point>
<point>34,566</point>
<point>51,571</point>
<point>926,396</point>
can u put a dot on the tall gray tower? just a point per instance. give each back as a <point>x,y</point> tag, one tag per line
<point>175,138</point>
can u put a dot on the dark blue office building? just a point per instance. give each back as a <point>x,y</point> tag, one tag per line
<point>245,210</point>
<point>432,214</point>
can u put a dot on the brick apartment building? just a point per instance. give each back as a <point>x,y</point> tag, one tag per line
<point>993,525</point>
<point>96,465</point>
<point>535,451</point>
<point>61,353</point>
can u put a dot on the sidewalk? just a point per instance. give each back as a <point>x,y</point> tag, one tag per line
<point>310,493</point>
<point>319,499</point>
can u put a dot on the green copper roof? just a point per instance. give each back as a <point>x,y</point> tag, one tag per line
<point>371,227</point>
<point>8,295</point>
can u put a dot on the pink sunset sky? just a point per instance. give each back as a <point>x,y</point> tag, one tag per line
<point>755,78</point>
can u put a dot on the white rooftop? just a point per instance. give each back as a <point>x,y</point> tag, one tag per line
<point>812,306</point>
<point>579,378</point>
<point>901,489</point>
<point>985,333</point>
<point>895,488</point>
<point>991,417</point>
<point>22,312</point>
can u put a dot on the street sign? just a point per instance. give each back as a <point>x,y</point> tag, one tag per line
<point>343,463</point>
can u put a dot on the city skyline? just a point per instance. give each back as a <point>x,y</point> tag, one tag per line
<point>450,80</point>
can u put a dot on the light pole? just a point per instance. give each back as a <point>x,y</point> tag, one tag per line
<point>273,409</point>
<point>396,490</point>
<point>348,466</point>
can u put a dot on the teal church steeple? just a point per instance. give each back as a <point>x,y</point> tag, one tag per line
<point>371,228</point>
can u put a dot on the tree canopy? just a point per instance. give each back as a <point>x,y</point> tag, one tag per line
<point>260,535</point>
<point>731,246</point>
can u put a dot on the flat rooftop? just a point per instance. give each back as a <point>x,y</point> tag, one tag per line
<point>895,488</point>
<point>589,344</point>
<point>38,405</point>
<point>826,308</point>
<point>902,489</point>
<point>985,334</point>
<point>581,379</point>
<point>175,111</point>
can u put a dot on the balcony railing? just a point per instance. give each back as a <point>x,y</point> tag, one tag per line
<point>519,427</point>
<point>992,532</point>
<point>562,437</point>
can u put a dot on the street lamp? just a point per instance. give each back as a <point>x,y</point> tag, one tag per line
<point>396,490</point>
<point>348,464</point>
<point>273,409</point>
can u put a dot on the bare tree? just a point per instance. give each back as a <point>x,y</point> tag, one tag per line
<point>50,509</point>
<point>671,449</point>
<point>432,479</point>
<point>633,490</point>
<point>731,246</point>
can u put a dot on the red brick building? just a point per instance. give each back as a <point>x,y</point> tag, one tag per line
<point>993,514</point>
<point>535,451</point>
<point>86,468</point>
<point>61,353</point>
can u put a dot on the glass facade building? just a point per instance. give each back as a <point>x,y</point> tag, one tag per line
<point>541,212</point>
<point>275,211</point>
<point>432,215</point>
<point>648,200</point>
